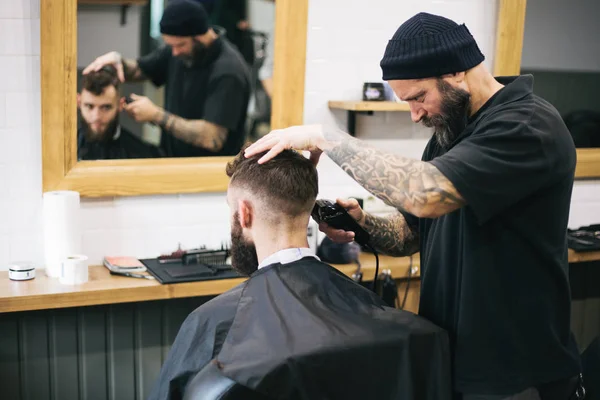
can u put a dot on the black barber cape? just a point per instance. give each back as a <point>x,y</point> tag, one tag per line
<point>304,330</point>
<point>125,145</point>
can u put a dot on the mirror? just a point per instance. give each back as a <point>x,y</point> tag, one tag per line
<point>198,94</point>
<point>61,169</point>
<point>561,52</point>
<point>169,175</point>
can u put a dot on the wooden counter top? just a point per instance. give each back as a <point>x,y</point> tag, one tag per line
<point>102,288</point>
<point>575,257</point>
<point>45,293</point>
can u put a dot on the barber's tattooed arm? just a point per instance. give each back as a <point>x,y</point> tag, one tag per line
<point>197,132</point>
<point>391,235</point>
<point>407,184</point>
<point>132,71</point>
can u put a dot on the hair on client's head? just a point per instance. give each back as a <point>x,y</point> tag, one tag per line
<point>96,82</point>
<point>286,185</point>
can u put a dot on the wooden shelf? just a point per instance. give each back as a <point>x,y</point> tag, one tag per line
<point>365,107</point>
<point>114,2</point>
<point>369,106</point>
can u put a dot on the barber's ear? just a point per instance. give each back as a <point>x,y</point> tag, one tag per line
<point>121,104</point>
<point>246,213</point>
<point>459,77</point>
<point>78,100</point>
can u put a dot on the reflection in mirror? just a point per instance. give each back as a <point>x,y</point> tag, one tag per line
<point>560,49</point>
<point>172,78</point>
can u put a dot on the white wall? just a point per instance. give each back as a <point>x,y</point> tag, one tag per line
<point>562,35</point>
<point>344,49</point>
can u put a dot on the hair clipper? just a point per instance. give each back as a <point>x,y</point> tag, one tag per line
<point>337,217</point>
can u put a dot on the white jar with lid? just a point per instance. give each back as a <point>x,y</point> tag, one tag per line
<point>21,271</point>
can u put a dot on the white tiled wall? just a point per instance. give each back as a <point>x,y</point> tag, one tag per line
<point>346,39</point>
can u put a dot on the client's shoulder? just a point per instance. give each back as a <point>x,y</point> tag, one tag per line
<point>222,304</point>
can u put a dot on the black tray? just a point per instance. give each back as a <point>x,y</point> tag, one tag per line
<point>177,272</point>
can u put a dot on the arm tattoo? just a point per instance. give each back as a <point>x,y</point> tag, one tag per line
<point>392,235</point>
<point>407,184</point>
<point>197,132</point>
<point>132,71</point>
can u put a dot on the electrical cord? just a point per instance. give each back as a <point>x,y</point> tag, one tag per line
<point>376,267</point>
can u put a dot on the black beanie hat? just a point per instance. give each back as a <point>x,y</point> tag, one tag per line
<point>184,18</point>
<point>428,46</point>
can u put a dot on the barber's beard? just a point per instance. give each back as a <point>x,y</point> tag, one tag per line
<point>106,135</point>
<point>243,253</point>
<point>197,55</point>
<point>453,117</point>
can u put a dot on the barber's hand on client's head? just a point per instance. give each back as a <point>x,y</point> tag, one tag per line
<point>341,236</point>
<point>304,137</point>
<point>113,58</point>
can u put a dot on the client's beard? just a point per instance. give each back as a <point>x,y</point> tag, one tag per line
<point>105,136</point>
<point>454,114</point>
<point>243,253</point>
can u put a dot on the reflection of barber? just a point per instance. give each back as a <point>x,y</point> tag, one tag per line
<point>487,207</point>
<point>101,136</point>
<point>206,85</point>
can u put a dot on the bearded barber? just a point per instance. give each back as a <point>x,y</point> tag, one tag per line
<point>487,207</point>
<point>207,85</point>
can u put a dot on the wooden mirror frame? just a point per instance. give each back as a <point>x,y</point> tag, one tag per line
<point>62,171</point>
<point>509,48</point>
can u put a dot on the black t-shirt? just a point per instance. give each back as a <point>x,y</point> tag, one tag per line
<point>495,272</point>
<point>125,146</point>
<point>215,89</point>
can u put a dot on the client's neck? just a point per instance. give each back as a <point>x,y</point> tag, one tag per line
<point>271,239</point>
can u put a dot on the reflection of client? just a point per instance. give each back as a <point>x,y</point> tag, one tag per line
<point>100,135</point>
<point>206,85</point>
<point>287,327</point>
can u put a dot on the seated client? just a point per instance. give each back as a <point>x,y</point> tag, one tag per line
<point>298,328</point>
<point>100,135</point>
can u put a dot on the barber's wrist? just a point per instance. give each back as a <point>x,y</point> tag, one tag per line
<point>161,117</point>
<point>331,138</point>
<point>363,218</point>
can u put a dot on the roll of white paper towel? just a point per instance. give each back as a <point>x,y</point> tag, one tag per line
<point>62,234</point>
<point>74,270</point>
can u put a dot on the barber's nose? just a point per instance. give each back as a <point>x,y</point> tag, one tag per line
<point>416,113</point>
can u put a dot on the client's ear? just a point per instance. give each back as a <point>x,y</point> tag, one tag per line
<point>246,213</point>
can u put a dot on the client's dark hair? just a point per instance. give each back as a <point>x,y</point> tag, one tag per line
<point>288,183</point>
<point>97,81</point>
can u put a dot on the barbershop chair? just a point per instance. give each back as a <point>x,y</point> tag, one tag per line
<point>210,384</point>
